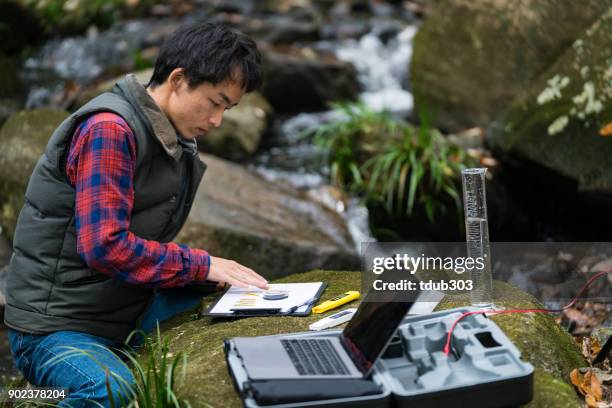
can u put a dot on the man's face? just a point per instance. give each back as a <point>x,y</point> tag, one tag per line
<point>194,111</point>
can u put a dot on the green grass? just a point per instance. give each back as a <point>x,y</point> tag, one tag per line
<point>157,373</point>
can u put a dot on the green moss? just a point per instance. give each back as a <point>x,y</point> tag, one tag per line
<point>558,127</point>
<point>552,392</point>
<point>22,141</point>
<point>202,339</point>
<point>539,338</point>
<point>451,66</point>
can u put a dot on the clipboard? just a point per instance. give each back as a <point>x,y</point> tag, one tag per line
<point>269,309</point>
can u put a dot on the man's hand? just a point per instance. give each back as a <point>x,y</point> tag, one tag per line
<point>228,271</point>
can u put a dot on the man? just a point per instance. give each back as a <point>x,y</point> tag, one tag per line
<point>92,252</point>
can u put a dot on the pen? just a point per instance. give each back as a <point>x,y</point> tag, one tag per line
<point>294,308</point>
<point>337,301</point>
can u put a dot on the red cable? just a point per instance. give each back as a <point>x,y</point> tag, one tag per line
<point>570,304</point>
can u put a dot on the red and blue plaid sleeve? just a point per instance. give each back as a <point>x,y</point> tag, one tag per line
<point>100,165</point>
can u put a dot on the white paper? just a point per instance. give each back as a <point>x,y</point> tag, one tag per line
<point>236,298</point>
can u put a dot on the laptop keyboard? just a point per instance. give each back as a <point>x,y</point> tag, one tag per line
<point>314,357</point>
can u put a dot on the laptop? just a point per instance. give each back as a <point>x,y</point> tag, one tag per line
<point>350,355</point>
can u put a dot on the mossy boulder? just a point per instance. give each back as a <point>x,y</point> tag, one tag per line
<point>540,339</point>
<point>91,92</point>
<point>23,139</point>
<point>473,57</point>
<point>270,227</point>
<point>557,125</point>
<point>19,27</point>
<point>5,254</point>
<point>209,384</point>
<point>12,90</point>
<point>242,129</point>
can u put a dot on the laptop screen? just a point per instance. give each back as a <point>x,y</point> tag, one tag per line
<point>372,327</point>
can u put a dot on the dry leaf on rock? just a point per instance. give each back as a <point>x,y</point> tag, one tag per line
<point>588,385</point>
<point>576,379</point>
<point>596,388</point>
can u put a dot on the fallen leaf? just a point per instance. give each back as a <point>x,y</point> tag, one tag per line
<point>606,130</point>
<point>576,379</point>
<point>586,382</point>
<point>596,388</point>
<point>595,347</point>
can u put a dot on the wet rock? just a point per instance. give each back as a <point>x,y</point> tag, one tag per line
<point>5,250</point>
<point>77,62</point>
<point>272,228</point>
<point>470,71</point>
<point>242,129</point>
<point>540,340</point>
<point>12,90</point>
<point>5,255</point>
<point>232,6</point>
<point>344,29</point>
<point>85,58</point>
<point>282,29</point>
<point>3,274</point>
<point>91,92</point>
<point>556,128</point>
<point>22,141</point>
<point>20,27</point>
<point>306,80</point>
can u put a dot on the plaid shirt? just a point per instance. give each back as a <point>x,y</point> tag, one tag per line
<point>101,165</point>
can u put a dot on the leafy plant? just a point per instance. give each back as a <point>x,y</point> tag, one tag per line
<point>69,17</point>
<point>349,141</point>
<point>155,377</point>
<point>18,382</point>
<point>74,16</point>
<point>423,169</point>
<point>393,163</point>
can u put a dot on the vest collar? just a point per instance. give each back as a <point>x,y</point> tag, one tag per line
<point>159,123</point>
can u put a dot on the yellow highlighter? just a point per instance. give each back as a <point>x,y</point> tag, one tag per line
<point>337,301</point>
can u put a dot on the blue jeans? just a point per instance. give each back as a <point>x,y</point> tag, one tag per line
<point>85,373</point>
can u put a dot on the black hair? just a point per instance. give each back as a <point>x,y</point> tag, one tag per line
<point>209,52</point>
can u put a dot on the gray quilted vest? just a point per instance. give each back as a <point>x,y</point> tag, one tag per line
<point>49,286</point>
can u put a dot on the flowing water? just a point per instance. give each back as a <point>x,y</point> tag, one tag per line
<point>382,67</point>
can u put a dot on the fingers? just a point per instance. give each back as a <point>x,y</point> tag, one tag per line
<point>238,283</point>
<point>235,274</point>
<point>249,277</point>
<point>254,278</point>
